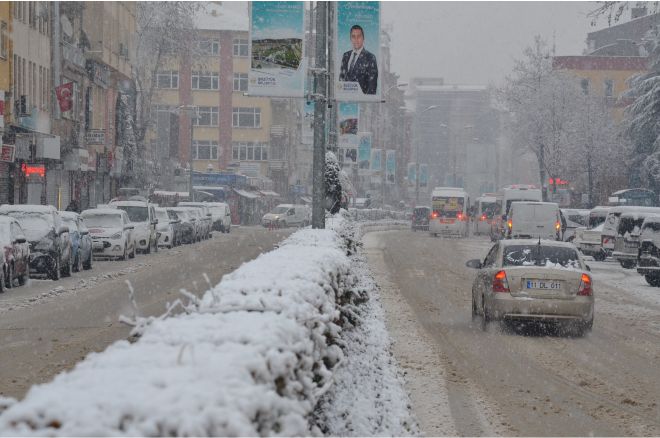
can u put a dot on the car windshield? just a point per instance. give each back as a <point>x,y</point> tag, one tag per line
<point>629,225</point>
<point>180,214</point>
<point>135,213</point>
<point>540,255</point>
<point>35,224</point>
<point>577,218</point>
<point>102,221</point>
<point>280,210</point>
<point>448,206</point>
<point>651,227</point>
<point>595,220</point>
<point>490,209</point>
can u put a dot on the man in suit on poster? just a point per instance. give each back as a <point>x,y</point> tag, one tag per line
<point>359,65</point>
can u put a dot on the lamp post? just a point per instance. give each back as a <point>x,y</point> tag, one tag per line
<point>191,110</point>
<point>429,108</point>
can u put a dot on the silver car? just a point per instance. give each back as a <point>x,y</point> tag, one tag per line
<point>533,280</point>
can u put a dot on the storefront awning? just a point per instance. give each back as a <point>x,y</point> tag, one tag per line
<point>246,194</point>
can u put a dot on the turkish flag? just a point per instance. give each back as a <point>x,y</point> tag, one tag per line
<point>65,96</point>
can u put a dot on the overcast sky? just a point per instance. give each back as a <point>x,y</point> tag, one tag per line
<point>476,42</point>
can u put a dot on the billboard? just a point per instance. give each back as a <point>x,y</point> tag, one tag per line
<point>376,159</point>
<point>348,115</point>
<point>364,150</point>
<point>357,51</point>
<point>390,166</point>
<point>277,58</point>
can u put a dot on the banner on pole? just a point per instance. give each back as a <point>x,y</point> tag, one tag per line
<point>423,175</point>
<point>357,53</point>
<point>376,159</point>
<point>390,166</point>
<point>412,174</point>
<point>277,50</point>
<point>364,150</point>
<point>348,115</point>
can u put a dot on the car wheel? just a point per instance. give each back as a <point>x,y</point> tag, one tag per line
<point>77,266</point>
<point>485,316</point>
<point>148,250</point>
<point>475,315</point>
<point>627,264</point>
<point>652,280</point>
<point>584,327</point>
<point>125,256</point>
<point>22,279</point>
<point>55,270</point>
<point>88,264</point>
<point>600,256</point>
<point>9,278</point>
<point>228,229</point>
<point>68,268</point>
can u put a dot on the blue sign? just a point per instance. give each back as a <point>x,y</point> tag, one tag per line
<point>219,179</point>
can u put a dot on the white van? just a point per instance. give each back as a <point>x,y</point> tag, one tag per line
<point>221,216</point>
<point>488,207</point>
<point>449,212</point>
<point>286,215</point>
<point>531,220</point>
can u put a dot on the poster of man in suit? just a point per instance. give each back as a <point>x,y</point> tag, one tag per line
<point>358,51</point>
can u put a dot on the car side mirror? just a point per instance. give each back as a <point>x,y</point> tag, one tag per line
<point>84,232</point>
<point>588,268</point>
<point>129,227</point>
<point>474,264</point>
<point>62,230</point>
<point>21,239</point>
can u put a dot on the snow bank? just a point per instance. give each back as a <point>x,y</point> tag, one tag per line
<point>252,357</point>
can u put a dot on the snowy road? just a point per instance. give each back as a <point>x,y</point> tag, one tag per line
<point>466,382</point>
<point>48,326</point>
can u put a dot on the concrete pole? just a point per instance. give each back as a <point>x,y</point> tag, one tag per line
<point>321,90</point>
<point>55,57</point>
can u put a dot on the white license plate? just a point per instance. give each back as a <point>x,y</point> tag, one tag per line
<point>543,284</point>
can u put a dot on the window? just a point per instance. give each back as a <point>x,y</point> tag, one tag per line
<point>249,151</point>
<point>240,81</point>
<point>240,47</point>
<point>208,48</point>
<point>205,150</point>
<point>155,109</point>
<point>205,81</point>
<point>4,40</point>
<point>609,87</point>
<point>167,79</point>
<point>207,116</point>
<point>246,117</point>
<point>584,83</point>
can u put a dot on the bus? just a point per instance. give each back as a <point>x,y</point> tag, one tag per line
<point>487,208</point>
<point>634,198</point>
<point>449,212</point>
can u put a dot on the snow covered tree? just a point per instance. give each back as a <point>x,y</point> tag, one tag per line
<point>333,192</point>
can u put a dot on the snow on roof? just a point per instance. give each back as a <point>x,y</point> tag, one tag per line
<point>101,211</point>
<point>451,87</point>
<point>544,242</point>
<point>223,16</point>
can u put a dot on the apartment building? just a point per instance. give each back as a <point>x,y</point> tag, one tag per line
<point>6,155</point>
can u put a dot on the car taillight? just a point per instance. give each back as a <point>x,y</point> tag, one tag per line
<point>585,286</point>
<point>434,215</point>
<point>509,223</point>
<point>459,216</point>
<point>557,225</point>
<point>483,217</point>
<point>500,283</point>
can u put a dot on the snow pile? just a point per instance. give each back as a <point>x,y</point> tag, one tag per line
<point>252,357</point>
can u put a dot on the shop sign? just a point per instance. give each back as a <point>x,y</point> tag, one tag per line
<point>7,153</point>
<point>95,136</point>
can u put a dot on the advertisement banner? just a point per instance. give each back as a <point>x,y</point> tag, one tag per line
<point>376,159</point>
<point>357,53</point>
<point>412,174</point>
<point>423,175</point>
<point>7,153</point>
<point>390,166</point>
<point>277,35</point>
<point>350,155</point>
<point>308,123</point>
<point>348,115</point>
<point>364,150</point>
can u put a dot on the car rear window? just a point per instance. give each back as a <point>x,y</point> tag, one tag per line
<point>540,255</point>
<point>629,225</point>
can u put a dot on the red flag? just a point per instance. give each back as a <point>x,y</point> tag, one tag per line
<point>65,96</point>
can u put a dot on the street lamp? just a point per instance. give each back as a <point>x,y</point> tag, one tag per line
<point>429,108</point>
<point>191,110</point>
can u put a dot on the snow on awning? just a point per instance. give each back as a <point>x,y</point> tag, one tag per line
<point>269,193</point>
<point>246,194</point>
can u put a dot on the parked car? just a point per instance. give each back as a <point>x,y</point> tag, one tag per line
<point>533,280</point>
<point>166,228</point>
<point>574,218</point>
<point>112,233</point>
<point>205,217</point>
<point>81,241</point>
<point>14,253</point>
<point>420,218</point>
<point>143,217</point>
<point>588,240</point>
<point>611,225</point>
<point>286,215</point>
<point>626,242</point>
<point>200,225</point>
<point>50,245</point>
<point>221,216</point>
<point>187,228</point>
<point>648,261</point>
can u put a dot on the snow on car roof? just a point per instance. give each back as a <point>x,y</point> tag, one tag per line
<point>68,214</point>
<point>544,242</point>
<point>655,218</point>
<point>130,203</point>
<point>101,211</point>
<point>27,208</point>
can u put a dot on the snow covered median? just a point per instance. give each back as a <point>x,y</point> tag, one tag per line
<point>253,357</point>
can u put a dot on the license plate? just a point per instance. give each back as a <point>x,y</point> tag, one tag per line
<point>97,245</point>
<point>543,284</point>
<point>446,221</point>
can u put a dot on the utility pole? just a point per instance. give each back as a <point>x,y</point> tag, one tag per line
<point>320,96</point>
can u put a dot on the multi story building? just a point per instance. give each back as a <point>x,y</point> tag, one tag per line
<point>232,131</point>
<point>5,93</point>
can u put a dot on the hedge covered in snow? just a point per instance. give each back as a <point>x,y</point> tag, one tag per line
<point>251,357</point>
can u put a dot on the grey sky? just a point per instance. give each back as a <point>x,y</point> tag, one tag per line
<point>476,42</point>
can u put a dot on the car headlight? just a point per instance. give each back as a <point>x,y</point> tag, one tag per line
<point>277,217</point>
<point>116,236</point>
